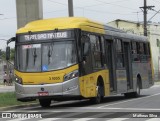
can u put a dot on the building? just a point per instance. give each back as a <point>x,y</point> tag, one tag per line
<point>153,31</point>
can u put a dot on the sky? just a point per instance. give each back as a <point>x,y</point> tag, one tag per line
<point>99,10</point>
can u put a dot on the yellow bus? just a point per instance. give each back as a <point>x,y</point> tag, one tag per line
<point>77,58</point>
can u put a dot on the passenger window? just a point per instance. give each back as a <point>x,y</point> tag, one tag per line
<point>96,51</point>
<point>147,51</point>
<point>141,50</point>
<point>134,47</point>
<point>120,54</point>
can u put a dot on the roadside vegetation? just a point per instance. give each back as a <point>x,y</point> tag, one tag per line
<point>9,99</point>
<point>3,54</point>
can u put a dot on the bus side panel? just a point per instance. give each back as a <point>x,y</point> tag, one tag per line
<point>121,81</point>
<point>88,83</point>
<point>143,70</point>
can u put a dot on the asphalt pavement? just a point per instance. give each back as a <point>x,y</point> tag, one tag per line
<point>113,108</point>
<point>7,88</point>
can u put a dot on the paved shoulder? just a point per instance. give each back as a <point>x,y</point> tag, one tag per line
<point>6,88</point>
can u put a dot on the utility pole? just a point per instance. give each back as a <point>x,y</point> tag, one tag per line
<point>70,8</point>
<point>144,9</point>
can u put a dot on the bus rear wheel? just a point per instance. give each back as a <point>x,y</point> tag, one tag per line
<point>45,102</point>
<point>136,93</point>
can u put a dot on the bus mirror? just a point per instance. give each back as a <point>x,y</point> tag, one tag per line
<point>13,39</point>
<point>7,53</point>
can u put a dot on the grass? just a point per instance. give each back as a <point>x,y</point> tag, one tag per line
<point>9,99</point>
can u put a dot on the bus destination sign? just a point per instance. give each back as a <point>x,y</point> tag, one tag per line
<point>44,36</point>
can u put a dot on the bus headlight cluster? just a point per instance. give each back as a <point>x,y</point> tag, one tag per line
<point>71,75</point>
<point>18,80</point>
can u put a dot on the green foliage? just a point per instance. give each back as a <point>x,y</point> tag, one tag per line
<point>12,54</point>
<point>3,54</point>
<point>9,99</point>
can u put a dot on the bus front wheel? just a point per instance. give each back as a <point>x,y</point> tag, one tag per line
<point>99,95</point>
<point>45,102</point>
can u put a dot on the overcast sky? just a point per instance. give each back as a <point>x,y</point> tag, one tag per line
<point>99,10</point>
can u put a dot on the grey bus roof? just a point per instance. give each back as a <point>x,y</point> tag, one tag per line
<point>115,33</point>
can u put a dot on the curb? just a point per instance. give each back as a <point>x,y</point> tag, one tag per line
<point>157,83</point>
<point>18,106</point>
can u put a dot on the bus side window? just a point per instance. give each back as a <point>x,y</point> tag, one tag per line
<point>96,51</point>
<point>146,51</point>
<point>120,54</point>
<point>103,51</point>
<point>141,52</point>
<point>141,49</point>
<point>134,47</point>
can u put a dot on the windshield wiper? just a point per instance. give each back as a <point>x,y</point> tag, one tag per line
<point>50,49</point>
<point>34,55</point>
<point>27,58</point>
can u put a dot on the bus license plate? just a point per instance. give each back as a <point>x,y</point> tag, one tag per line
<point>43,93</point>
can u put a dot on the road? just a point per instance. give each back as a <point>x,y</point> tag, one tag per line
<point>6,88</point>
<point>113,108</point>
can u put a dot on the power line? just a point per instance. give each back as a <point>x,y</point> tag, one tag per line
<point>97,11</point>
<point>8,18</point>
<point>103,3</point>
<point>92,11</point>
<point>137,15</point>
<point>119,1</point>
<point>115,5</point>
<point>55,11</point>
<point>96,4</point>
<point>5,36</point>
<point>70,6</point>
<point>58,3</point>
<point>103,12</point>
<point>156,1</point>
<point>154,15</point>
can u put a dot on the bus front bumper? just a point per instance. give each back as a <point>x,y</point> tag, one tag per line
<point>32,92</point>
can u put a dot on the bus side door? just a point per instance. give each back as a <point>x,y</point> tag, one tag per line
<point>110,58</point>
<point>121,71</point>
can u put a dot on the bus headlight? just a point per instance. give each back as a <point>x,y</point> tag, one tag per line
<point>18,80</point>
<point>71,75</point>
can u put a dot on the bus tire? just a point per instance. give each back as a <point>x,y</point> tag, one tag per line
<point>45,102</point>
<point>99,96</point>
<point>138,90</point>
<point>136,93</point>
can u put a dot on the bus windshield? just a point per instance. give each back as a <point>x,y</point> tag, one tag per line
<point>46,56</point>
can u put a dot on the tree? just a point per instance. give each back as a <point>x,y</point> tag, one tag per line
<point>3,54</point>
<point>12,55</point>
